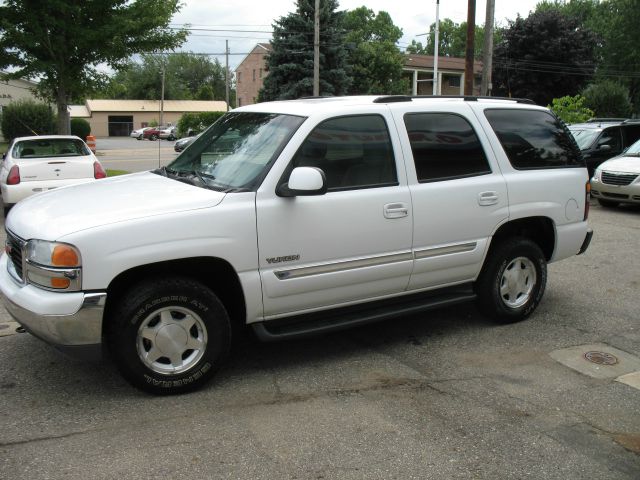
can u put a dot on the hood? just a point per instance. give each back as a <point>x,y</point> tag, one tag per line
<point>53,214</point>
<point>622,164</point>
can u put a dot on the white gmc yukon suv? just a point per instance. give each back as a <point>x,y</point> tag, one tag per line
<point>296,218</point>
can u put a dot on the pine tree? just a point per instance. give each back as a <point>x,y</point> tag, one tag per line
<point>290,62</point>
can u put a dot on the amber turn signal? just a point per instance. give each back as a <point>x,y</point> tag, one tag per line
<point>64,256</point>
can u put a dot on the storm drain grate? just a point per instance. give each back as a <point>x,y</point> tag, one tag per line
<point>601,358</point>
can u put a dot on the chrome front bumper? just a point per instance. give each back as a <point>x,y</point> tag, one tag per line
<point>71,322</point>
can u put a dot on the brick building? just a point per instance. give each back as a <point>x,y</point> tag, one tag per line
<point>418,69</point>
<point>250,74</point>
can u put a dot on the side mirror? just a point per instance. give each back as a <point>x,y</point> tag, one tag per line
<point>304,181</point>
<point>604,148</point>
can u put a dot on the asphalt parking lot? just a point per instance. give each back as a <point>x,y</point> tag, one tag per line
<point>444,395</point>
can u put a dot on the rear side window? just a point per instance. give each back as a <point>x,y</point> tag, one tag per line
<point>444,147</point>
<point>534,139</point>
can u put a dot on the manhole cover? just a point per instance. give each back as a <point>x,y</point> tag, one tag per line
<point>601,358</point>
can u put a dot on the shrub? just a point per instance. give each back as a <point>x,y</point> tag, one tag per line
<point>196,122</point>
<point>26,117</point>
<point>571,109</point>
<point>80,128</point>
<point>608,99</point>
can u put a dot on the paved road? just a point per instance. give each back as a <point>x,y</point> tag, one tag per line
<point>134,155</point>
<point>444,395</point>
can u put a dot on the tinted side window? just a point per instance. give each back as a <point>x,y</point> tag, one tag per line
<point>353,152</point>
<point>534,139</point>
<point>444,147</point>
<point>611,137</point>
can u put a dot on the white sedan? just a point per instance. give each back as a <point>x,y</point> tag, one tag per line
<point>139,133</point>
<point>618,180</point>
<point>37,164</point>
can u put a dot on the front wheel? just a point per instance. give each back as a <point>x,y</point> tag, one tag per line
<point>512,280</point>
<point>169,336</point>
<point>153,138</point>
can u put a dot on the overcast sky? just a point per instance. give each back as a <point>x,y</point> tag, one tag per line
<point>240,16</point>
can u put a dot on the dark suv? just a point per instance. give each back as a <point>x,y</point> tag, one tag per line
<point>603,138</point>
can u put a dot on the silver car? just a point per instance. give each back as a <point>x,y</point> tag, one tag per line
<point>617,180</point>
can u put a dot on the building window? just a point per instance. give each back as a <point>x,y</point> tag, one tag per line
<point>239,76</point>
<point>454,81</point>
<point>239,101</point>
<point>260,73</point>
<point>254,74</point>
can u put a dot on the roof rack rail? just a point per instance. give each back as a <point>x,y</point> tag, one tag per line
<point>467,98</point>
<point>393,99</point>
<point>632,120</point>
<point>606,119</point>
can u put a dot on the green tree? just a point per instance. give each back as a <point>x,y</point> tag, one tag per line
<point>25,118</point>
<point>608,98</point>
<point>452,40</point>
<point>544,56</point>
<point>620,52</point>
<point>571,109</point>
<point>375,60</point>
<point>80,128</point>
<point>62,42</point>
<point>290,62</point>
<point>187,76</point>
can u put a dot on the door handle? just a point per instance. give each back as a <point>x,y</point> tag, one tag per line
<point>487,198</point>
<point>396,210</point>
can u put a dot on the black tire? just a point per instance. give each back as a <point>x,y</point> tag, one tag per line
<point>512,280</point>
<point>153,138</point>
<point>6,210</point>
<point>608,203</point>
<point>152,329</point>
<point>140,137</point>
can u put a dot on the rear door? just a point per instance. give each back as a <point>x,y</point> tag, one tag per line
<point>458,192</point>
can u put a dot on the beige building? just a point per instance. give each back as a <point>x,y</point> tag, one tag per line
<point>14,90</point>
<point>418,69</point>
<point>250,74</point>
<point>117,118</point>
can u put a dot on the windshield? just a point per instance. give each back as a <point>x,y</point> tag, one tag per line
<point>633,150</point>
<point>236,151</point>
<point>51,147</point>
<point>584,137</point>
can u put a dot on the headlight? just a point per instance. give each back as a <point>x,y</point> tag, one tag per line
<point>53,265</point>
<point>597,174</point>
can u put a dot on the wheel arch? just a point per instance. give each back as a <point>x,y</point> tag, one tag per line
<point>541,230</point>
<point>215,273</point>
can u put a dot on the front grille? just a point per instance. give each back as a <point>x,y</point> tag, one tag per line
<point>611,178</point>
<point>15,248</point>
<point>620,196</point>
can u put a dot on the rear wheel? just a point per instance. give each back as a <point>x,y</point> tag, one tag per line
<point>169,336</point>
<point>608,203</point>
<point>153,137</point>
<point>512,280</point>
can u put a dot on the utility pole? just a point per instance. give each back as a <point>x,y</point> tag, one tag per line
<point>435,49</point>
<point>316,51</point>
<point>226,73</point>
<point>468,64</point>
<point>487,54</point>
<point>162,96</point>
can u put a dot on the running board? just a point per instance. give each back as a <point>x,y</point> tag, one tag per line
<point>316,323</point>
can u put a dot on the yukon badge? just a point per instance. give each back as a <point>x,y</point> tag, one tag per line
<point>286,258</point>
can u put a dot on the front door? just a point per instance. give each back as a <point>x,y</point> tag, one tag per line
<point>350,244</point>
